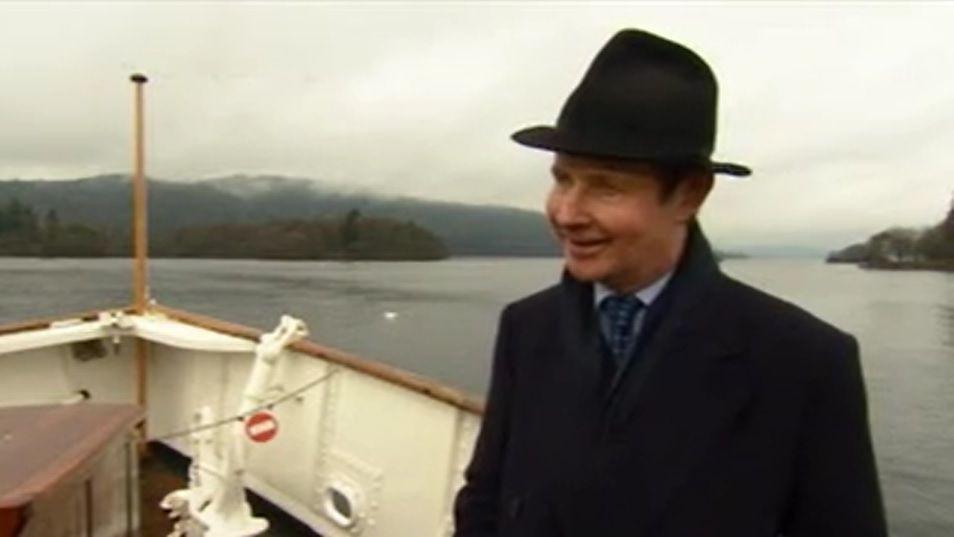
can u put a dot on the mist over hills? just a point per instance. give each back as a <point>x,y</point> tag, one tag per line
<point>104,202</point>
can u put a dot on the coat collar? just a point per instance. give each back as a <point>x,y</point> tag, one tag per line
<point>695,277</point>
<point>695,387</point>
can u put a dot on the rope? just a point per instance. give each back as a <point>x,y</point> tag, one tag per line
<point>241,416</point>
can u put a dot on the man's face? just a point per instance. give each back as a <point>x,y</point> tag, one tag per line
<point>612,223</point>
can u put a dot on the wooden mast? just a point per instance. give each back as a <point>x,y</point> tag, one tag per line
<point>140,274</point>
<point>139,201</point>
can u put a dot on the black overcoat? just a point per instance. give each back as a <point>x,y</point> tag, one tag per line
<point>741,416</point>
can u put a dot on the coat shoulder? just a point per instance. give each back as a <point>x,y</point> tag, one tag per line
<point>536,304</point>
<point>785,339</point>
<point>764,313</point>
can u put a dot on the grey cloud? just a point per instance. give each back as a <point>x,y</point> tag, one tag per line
<point>419,99</point>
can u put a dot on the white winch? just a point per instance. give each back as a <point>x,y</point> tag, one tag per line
<point>214,505</point>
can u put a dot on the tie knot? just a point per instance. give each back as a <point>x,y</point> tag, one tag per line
<point>621,306</point>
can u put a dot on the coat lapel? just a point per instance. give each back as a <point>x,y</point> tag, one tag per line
<point>696,385</point>
<point>580,338</point>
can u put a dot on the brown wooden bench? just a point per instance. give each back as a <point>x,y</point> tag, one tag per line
<point>68,470</point>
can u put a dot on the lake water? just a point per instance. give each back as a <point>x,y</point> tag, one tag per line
<point>445,313</point>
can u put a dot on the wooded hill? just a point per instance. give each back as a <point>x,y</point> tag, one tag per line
<point>352,237</point>
<point>905,248</point>
<point>182,209</point>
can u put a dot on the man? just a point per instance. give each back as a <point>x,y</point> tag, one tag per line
<point>647,394</point>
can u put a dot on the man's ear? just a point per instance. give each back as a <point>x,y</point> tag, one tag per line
<point>691,194</point>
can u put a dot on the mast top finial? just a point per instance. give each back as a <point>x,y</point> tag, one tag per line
<point>139,78</point>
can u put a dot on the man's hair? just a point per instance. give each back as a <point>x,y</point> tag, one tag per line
<point>669,175</point>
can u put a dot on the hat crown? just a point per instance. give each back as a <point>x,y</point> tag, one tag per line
<point>655,93</point>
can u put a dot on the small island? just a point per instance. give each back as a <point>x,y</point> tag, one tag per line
<point>723,255</point>
<point>351,236</point>
<point>897,248</point>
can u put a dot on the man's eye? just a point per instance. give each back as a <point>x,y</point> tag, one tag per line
<point>607,191</point>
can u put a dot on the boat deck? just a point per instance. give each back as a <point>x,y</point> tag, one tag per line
<point>352,437</point>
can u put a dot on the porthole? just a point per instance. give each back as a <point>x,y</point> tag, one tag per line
<point>340,505</point>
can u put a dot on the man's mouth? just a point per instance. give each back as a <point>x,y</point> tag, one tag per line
<point>584,247</point>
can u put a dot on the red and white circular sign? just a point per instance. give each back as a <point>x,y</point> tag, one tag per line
<point>261,426</point>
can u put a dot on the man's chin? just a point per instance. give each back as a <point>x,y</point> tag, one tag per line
<point>584,272</point>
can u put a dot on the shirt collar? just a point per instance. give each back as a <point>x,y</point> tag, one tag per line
<point>646,295</point>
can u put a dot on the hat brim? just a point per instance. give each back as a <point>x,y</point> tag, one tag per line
<point>552,139</point>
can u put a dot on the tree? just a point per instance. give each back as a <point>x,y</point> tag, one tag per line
<point>937,243</point>
<point>51,226</point>
<point>18,219</point>
<point>948,223</point>
<point>896,245</point>
<point>349,228</point>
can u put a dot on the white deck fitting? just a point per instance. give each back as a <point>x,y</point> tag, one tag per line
<point>150,327</point>
<point>185,336</point>
<point>61,333</point>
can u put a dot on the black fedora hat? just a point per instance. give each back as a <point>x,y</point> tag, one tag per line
<point>642,98</point>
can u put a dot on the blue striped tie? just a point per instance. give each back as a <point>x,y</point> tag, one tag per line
<point>620,311</point>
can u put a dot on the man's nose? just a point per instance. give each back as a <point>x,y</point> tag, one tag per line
<point>571,209</point>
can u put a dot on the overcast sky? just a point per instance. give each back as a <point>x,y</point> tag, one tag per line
<point>846,113</point>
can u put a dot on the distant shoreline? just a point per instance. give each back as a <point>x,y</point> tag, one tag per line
<point>296,260</point>
<point>556,257</point>
<point>936,266</point>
